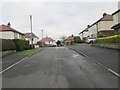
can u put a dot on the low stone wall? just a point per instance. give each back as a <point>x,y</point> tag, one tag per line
<point>4,53</point>
<point>108,45</point>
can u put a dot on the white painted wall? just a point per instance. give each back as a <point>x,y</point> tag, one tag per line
<point>35,40</point>
<point>11,35</point>
<point>92,31</point>
<point>7,35</point>
<point>105,25</point>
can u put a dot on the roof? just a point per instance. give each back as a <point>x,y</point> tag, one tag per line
<point>116,12</point>
<point>86,30</point>
<point>70,38</point>
<point>106,17</point>
<point>28,35</point>
<point>47,39</point>
<point>5,28</point>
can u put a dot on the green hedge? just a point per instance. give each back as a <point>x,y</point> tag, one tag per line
<point>110,39</point>
<point>77,39</point>
<point>21,44</point>
<point>15,44</point>
<point>8,44</point>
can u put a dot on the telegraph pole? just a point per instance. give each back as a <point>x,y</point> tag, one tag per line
<point>42,33</point>
<point>42,37</point>
<point>31,32</point>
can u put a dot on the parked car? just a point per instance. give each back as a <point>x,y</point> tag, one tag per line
<point>90,40</point>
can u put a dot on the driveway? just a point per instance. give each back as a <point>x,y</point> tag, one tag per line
<point>58,67</point>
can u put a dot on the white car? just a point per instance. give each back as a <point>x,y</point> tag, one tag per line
<point>90,40</point>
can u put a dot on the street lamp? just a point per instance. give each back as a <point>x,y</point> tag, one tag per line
<point>42,37</point>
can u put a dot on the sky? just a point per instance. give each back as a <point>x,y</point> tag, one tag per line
<point>56,18</point>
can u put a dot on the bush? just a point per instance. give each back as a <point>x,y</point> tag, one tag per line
<point>21,44</point>
<point>77,39</point>
<point>110,39</point>
<point>8,44</point>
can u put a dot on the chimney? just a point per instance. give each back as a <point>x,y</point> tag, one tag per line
<point>9,24</point>
<point>88,26</point>
<point>104,14</point>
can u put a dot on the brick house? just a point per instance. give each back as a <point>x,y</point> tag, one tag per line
<point>46,41</point>
<point>69,40</point>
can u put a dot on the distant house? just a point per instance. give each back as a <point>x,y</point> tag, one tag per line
<point>6,32</point>
<point>29,36</point>
<point>116,21</point>
<point>84,34</point>
<point>102,27</point>
<point>46,41</point>
<point>69,40</point>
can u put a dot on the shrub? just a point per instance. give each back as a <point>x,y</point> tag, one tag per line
<point>77,39</point>
<point>21,44</point>
<point>8,44</point>
<point>110,39</point>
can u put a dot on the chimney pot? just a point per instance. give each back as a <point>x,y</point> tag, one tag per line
<point>9,24</point>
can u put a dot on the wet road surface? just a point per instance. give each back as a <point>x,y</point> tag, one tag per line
<point>58,67</point>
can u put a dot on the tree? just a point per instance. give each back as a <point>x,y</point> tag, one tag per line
<point>58,43</point>
<point>77,39</point>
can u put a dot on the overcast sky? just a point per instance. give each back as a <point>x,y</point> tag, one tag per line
<point>56,19</point>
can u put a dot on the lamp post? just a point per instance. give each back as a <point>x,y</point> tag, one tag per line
<point>42,37</point>
<point>42,33</point>
<point>31,32</point>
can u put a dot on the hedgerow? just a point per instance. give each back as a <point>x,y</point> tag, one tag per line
<point>109,39</point>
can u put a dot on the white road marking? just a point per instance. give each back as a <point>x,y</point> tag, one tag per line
<point>114,72</point>
<point>13,65</point>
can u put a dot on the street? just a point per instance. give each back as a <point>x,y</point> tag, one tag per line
<point>58,67</point>
<point>107,57</point>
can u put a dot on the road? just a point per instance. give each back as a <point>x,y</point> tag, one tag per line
<point>107,57</point>
<point>58,67</point>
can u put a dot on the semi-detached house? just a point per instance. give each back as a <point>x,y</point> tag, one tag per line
<point>116,21</point>
<point>100,28</point>
<point>6,32</point>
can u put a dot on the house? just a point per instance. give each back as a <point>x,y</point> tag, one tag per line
<point>84,34</point>
<point>116,21</point>
<point>69,40</point>
<point>46,41</point>
<point>6,32</point>
<point>29,36</point>
<point>102,27</point>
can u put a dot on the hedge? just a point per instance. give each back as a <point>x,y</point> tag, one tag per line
<point>110,39</point>
<point>8,44</point>
<point>15,44</point>
<point>21,44</point>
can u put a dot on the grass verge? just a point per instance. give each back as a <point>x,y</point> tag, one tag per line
<point>28,52</point>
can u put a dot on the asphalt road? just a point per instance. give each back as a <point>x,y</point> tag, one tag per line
<point>58,68</point>
<point>107,57</point>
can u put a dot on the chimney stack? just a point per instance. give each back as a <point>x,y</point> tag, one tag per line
<point>104,14</point>
<point>9,24</point>
<point>88,26</point>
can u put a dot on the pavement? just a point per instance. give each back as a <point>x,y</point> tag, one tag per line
<point>11,59</point>
<point>58,67</point>
<point>106,57</point>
